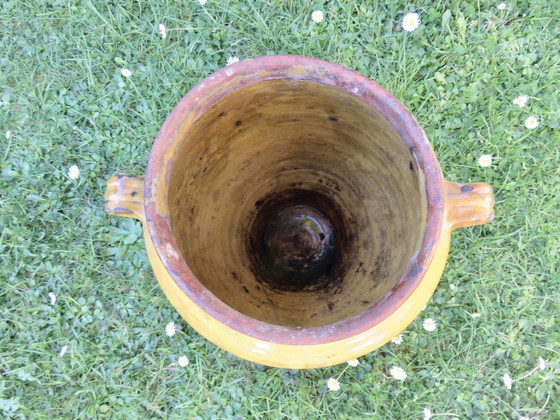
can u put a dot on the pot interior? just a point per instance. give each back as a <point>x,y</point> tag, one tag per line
<point>296,203</point>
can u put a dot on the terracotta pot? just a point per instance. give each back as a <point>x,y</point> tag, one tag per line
<point>294,211</point>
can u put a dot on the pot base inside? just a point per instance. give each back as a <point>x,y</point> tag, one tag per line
<point>293,242</point>
<point>296,203</point>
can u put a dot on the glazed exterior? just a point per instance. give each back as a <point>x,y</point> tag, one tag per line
<point>449,205</point>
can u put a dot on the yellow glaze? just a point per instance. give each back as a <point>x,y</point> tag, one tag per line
<point>465,205</point>
<point>125,196</point>
<point>468,204</point>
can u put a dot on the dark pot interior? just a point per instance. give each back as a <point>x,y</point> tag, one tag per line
<point>295,203</point>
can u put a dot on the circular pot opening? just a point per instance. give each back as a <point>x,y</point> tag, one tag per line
<point>295,203</point>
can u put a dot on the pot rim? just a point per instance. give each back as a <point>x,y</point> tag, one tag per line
<point>296,68</point>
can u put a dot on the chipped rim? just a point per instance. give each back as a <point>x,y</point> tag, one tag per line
<point>296,68</point>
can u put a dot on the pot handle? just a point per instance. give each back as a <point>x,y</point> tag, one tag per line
<point>468,204</point>
<point>125,196</point>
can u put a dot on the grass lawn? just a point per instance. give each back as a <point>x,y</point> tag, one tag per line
<point>100,351</point>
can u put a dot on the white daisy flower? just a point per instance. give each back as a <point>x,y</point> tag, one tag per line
<point>429,324</point>
<point>427,413</point>
<point>452,286</point>
<point>126,72</point>
<point>52,296</point>
<point>317,16</point>
<point>521,100</point>
<point>232,60</point>
<point>183,361</point>
<point>531,122</point>
<point>63,350</point>
<point>8,134</point>
<point>353,362</point>
<point>162,30</point>
<point>398,373</point>
<point>542,363</point>
<point>411,21</point>
<point>73,172</point>
<point>397,340</point>
<point>501,6</point>
<point>507,381</point>
<point>202,2</point>
<point>170,329</point>
<point>485,161</point>
<point>333,384</point>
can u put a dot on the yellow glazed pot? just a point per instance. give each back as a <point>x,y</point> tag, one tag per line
<point>294,212</point>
